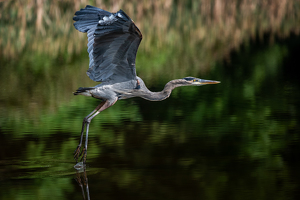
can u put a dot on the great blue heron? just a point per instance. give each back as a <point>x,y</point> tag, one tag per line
<point>113,41</point>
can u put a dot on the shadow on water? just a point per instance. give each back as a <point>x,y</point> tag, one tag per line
<point>237,140</point>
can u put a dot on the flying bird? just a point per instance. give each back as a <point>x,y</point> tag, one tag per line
<point>113,41</point>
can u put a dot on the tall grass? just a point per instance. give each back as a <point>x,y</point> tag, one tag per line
<point>218,26</point>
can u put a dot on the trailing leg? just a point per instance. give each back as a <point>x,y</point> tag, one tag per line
<point>77,153</point>
<point>86,122</point>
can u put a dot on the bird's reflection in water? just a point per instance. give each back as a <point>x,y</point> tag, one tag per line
<point>82,180</point>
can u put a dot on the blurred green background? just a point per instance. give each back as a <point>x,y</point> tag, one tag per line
<point>238,139</point>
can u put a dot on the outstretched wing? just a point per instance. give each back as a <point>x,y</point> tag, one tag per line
<point>113,40</point>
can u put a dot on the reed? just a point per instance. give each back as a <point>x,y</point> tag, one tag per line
<point>218,26</point>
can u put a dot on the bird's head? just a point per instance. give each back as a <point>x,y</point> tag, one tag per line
<point>197,81</point>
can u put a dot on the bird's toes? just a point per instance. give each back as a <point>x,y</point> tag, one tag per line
<point>83,150</point>
<point>82,153</point>
<point>84,156</point>
<point>77,152</point>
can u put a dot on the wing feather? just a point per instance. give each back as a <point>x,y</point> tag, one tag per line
<point>113,41</point>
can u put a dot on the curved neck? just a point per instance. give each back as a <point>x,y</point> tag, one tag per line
<point>165,93</point>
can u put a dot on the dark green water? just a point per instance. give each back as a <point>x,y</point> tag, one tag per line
<point>234,140</point>
<point>238,139</point>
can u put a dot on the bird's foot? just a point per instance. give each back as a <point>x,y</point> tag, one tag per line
<point>83,158</point>
<point>77,153</point>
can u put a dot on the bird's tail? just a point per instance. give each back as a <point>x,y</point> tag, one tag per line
<point>83,91</point>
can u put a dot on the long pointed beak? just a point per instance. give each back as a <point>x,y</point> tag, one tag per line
<point>202,81</point>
